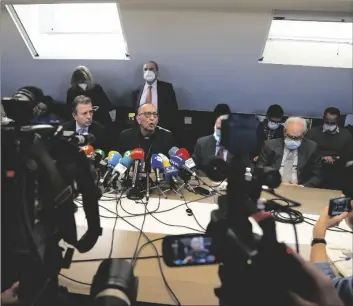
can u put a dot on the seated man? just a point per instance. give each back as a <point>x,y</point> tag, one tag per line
<point>146,135</point>
<point>334,144</point>
<point>296,158</point>
<point>318,255</point>
<point>209,146</point>
<point>160,94</point>
<point>270,128</point>
<point>82,111</point>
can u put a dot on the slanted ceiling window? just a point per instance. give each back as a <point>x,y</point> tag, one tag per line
<point>71,30</point>
<point>321,43</point>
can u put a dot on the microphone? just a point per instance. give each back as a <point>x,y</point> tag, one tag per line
<point>110,154</point>
<point>88,150</point>
<point>171,173</point>
<point>157,166</point>
<point>121,168</point>
<point>189,162</point>
<point>178,162</point>
<point>127,153</point>
<point>173,151</point>
<point>112,162</point>
<point>138,156</point>
<point>99,156</point>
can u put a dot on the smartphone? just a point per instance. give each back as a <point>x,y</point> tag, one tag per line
<point>188,250</point>
<point>204,191</point>
<point>339,205</point>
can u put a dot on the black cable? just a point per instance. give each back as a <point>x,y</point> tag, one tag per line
<point>159,262</point>
<point>139,238</point>
<point>122,258</point>
<point>186,204</point>
<point>115,222</point>
<point>73,280</point>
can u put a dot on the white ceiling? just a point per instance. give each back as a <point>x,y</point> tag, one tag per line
<point>223,5</point>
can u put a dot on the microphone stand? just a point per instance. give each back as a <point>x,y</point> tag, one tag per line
<point>186,178</point>
<point>147,186</point>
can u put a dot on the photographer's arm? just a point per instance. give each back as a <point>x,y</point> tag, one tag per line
<point>318,256</point>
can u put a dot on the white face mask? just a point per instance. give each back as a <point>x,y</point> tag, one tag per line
<point>149,76</point>
<point>272,125</point>
<point>83,86</point>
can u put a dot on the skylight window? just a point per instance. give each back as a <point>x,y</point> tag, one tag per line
<point>309,43</point>
<point>71,30</point>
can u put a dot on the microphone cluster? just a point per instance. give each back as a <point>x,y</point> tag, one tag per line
<point>131,172</point>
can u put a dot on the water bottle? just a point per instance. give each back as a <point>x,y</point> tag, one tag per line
<point>248,175</point>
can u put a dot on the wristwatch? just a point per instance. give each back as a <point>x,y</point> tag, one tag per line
<point>318,240</point>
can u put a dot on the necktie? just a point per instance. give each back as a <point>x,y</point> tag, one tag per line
<point>220,153</point>
<point>288,167</point>
<point>82,131</point>
<point>149,95</point>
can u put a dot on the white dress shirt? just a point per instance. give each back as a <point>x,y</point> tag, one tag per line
<point>154,94</point>
<point>81,130</point>
<point>294,168</point>
<point>225,152</point>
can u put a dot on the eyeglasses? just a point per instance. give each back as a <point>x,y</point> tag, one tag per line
<point>294,137</point>
<point>149,114</point>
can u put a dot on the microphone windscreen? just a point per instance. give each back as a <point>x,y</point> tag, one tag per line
<point>183,153</point>
<point>138,154</point>
<point>111,153</point>
<point>127,153</point>
<point>114,160</point>
<point>126,161</point>
<point>156,161</point>
<point>169,172</point>
<point>166,164</point>
<point>172,151</point>
<point>164,158</point>
<point>89,150</point>
<point>100,152</point>
<point>177,161</point>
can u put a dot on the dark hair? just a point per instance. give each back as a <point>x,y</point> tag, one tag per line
<point>275,111</point>
<point>154,63</point>
<point>80,100</point>
<point>332,111</point>
<point>221,109</point>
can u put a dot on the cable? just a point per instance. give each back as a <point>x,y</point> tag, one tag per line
<point>139,238</point>
<point>116,220</point>
<point>122,258</point>
<point>73,280</point>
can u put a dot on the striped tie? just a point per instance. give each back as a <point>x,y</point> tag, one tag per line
<point>149,95</point>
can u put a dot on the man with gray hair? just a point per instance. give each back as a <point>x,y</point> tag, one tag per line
<point>295,157</point>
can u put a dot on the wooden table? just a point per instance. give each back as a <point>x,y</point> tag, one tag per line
<point>192,285</point>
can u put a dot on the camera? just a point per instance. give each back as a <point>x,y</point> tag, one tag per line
<point>43,171</point>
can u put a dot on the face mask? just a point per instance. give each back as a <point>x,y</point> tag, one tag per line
<point>329,128</point>
<point>292,144</point>
<point>217,136</point>
<point>149,76</point>
<point>83,86</point>
<point>272,125</point>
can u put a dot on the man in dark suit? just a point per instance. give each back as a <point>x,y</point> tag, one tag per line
<point>209,146</point>
<point>82,111</point>
<point>296,158</point>
<point>160,94</point>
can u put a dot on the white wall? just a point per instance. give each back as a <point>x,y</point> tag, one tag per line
<point>210,57</point>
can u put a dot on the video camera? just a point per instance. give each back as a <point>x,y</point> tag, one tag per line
<point>254,269</point>
<point>43,171</point>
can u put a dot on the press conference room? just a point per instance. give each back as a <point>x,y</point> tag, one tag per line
<point>177,152</point>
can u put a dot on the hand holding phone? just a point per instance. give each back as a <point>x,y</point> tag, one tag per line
<point>339,205</point>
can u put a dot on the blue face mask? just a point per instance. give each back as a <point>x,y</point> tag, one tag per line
<point>217,136</point>
<point>292,144</point>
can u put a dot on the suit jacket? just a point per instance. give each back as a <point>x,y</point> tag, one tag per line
<point>205,148</point>
<point>309,162</point>
<point>98,98</point>
<point>167,103</point>
<point>102,141</point>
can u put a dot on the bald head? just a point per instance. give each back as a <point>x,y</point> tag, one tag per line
<point>295,127</point>
<point>147,118</point>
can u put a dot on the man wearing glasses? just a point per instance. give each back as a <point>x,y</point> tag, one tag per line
<point>160,94</point>
<point>146,135</point>
<point>295,157</point>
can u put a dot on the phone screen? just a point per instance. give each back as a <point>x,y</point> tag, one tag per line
<point>188,250</point>
<point>339,205</point>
